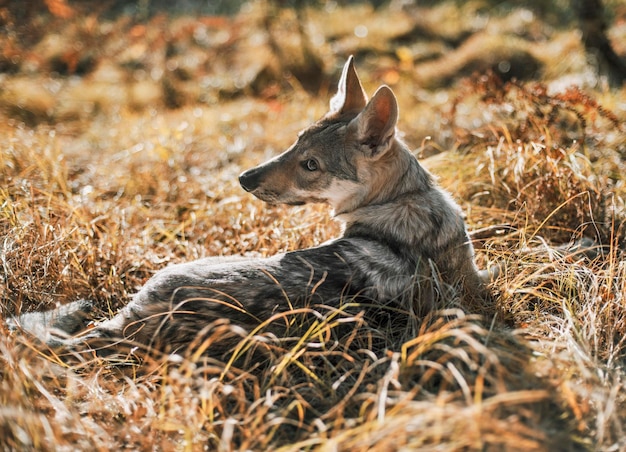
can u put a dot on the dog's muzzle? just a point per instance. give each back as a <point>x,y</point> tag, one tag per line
<point>250,179</point>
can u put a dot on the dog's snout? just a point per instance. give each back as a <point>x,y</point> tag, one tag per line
<point>250,179</point>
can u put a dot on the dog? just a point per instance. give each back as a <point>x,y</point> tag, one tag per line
<point>403,240</point>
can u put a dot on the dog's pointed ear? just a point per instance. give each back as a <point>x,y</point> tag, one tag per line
<point>376,124</point>
<point>350,97</point>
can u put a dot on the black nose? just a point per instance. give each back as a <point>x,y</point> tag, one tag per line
<point>250,179</point>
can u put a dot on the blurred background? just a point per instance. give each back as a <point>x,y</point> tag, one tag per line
<point>63,60</point>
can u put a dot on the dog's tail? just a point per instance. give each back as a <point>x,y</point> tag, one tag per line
<point>54,326</point>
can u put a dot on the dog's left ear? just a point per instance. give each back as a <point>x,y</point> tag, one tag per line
<point>350,97</point>
<point>376,124</point>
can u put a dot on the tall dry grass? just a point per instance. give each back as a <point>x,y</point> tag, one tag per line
<point>95,203</point>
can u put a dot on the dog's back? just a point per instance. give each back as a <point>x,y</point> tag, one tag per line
<point>404,239</point>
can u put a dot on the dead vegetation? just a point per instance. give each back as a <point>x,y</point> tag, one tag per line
<point>122,156</point>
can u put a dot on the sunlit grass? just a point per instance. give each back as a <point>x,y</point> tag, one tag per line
<point>94,200</point>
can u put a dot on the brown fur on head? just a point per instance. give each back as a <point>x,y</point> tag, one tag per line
<point>329,161</point>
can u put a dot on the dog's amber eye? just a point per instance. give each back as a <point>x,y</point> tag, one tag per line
<point>310,164</point>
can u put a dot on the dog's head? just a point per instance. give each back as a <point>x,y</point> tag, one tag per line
<point>328,161</point>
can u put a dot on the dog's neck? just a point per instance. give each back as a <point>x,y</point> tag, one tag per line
<point>394,175</point>
<point>396,210</point>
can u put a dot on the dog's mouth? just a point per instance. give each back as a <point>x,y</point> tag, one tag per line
<point>276,202</point>
<point>269,197</point>
<point>274,199</point>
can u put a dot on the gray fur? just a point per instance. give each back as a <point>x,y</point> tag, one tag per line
<point>404,239</point>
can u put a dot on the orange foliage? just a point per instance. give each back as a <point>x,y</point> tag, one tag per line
<point>59,8</point>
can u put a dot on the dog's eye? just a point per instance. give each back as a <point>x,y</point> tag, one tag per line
<point>310,164</point>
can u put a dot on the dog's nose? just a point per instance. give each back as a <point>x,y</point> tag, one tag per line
<point>250,179</point>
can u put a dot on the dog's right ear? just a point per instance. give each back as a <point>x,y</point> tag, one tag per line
<point>350,97</point>
<point>376,125</point>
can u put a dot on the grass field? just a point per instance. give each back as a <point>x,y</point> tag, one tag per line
<point>122,155</point>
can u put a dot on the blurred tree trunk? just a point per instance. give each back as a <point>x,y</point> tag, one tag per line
<point>593,26</point>
<point>301,60</point>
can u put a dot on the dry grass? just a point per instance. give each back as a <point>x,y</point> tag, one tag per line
<point>93,201</point>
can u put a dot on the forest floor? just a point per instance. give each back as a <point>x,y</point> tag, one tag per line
<point>121,140</point>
